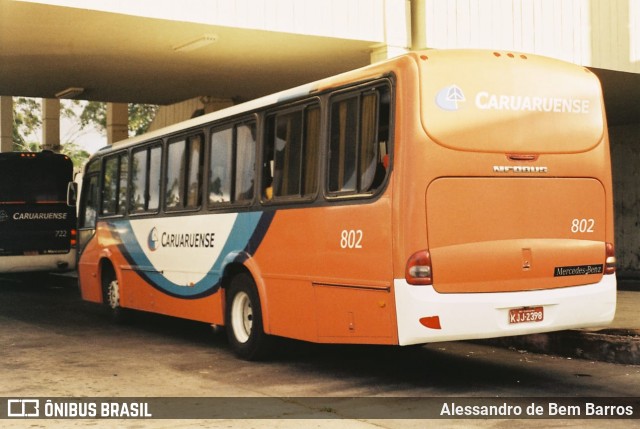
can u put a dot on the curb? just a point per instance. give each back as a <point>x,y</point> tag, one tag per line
<point>621,346</point>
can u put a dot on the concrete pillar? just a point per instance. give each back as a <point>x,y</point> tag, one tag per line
<point>418,25</point>
<point>397,27</point>
<point>6,124</point>
<point>117,122</point>
<point>51,124</point>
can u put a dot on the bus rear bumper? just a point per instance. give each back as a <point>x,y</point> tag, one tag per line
<point>457,316</point>
<point>55,263</point>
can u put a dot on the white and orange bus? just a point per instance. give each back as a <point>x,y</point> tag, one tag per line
<point>440,195</point>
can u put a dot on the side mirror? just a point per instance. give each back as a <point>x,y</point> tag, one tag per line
<point>72,194</point>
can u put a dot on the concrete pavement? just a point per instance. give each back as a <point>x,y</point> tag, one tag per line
<point>618,343</point>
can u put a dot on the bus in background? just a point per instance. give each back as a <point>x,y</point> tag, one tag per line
<point>37,218</point>
<point>440,195</point>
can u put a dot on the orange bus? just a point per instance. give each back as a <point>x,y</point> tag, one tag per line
<point>440,195</point>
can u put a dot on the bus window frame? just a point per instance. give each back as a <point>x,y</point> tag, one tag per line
<point>273,113</point>
<point>201,133</point>
<point>93,170</point>
<point>386,83</point>
<point>103,160</point>
<point>148,147</point>
<point>232,125</point>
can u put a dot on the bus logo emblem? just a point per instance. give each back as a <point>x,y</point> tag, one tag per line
<point>152,240</point>
<point>449,97</point>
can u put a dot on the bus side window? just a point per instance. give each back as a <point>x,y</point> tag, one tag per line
<point>194,178</point>
<point>220,166</point>
<point>291,153</point>
<point>232,164</point>
<point>176,165</point>
<point>114,184</point>
<point>153,191</point>
<point>90,197</point>
<point>287,151</point>
<point>358,156</point>
<point>184,174</point>
<point>145,179</point>
<point>245,161</point>
<point>342,156</point>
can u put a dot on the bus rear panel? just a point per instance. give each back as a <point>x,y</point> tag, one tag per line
<point>37,226</point>
<point>517,200</point>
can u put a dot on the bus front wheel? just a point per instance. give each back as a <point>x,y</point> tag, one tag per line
<point>112,300</point>
<point>244,319</point>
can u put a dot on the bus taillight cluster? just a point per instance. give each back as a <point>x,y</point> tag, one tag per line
<point>418,270</point>
<point>74,238</point>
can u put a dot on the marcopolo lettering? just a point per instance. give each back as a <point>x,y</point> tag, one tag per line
<point>519,169</point>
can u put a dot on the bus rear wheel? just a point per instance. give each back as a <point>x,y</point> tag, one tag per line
<point>244,320</point>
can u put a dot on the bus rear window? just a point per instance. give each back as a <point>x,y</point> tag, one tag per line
<point>33,180</point>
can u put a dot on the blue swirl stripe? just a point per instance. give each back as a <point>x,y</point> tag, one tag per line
<point>243,232</point>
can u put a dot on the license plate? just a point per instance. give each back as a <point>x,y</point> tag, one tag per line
<point>527,314</point>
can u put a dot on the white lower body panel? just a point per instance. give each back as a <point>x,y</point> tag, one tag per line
<point>54,263</point>
<point>465,316</point>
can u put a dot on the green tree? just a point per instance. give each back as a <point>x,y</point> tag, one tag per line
<point>140,116</point>
<point>78,155</point>
<point>27,129</point>
<point>27,120</point>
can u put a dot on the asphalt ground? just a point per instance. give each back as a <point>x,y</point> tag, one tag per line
<point>618,342</point>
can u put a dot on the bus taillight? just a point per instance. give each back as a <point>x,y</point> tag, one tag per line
<point>74,238</point>
<point>610,261</point>
<point>418,270</point>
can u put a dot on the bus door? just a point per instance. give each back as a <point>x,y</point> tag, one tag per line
<point>89,198</point>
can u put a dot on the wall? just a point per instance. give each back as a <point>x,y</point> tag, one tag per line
<point>625,153</point>
<point>172,114</point>
<point>596,33</point>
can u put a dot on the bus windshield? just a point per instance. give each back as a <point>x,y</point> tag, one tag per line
<point>37,180</point>
<point>37,226</point>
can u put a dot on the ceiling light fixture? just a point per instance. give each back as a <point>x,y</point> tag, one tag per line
<point>71,92</point>
<point>197,43</point>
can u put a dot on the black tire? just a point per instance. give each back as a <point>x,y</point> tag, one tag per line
<point>243,316</point>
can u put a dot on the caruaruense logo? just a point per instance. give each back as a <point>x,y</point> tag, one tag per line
<point>449,97</point>
<point>152,240</point>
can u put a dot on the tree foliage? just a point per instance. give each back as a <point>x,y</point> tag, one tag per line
<point>27,120</point>
<point>85,115</point>
<point>140,116</point>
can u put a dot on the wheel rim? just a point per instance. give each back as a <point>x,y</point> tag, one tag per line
<point>113,294</point>
<point>241,317</point>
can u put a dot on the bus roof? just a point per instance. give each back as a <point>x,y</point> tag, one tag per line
<point>249,106</point>
<point>379,69</point>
